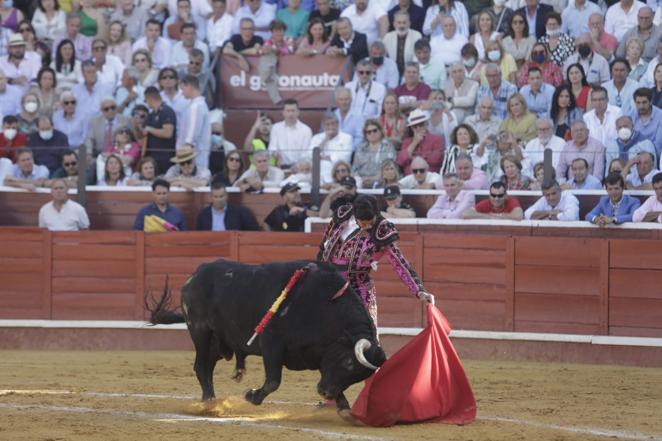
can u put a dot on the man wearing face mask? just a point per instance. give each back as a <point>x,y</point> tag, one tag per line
<point>10,138</point>
<point>535,13</point>
<point>629,142</point>
<point>20,66</point>
<point>431,68</point>
<point>48,144</point>
<point>400,42</point>
<point>595,65</point>
<point>385,70</point>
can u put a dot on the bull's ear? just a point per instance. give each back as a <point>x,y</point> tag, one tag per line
<point>341,291</point>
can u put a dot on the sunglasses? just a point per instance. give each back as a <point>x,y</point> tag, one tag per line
<point>109,108</point>
<point>189,162</point>
<point>234,159</point>
<point>70,164</point>
<point>371,131</point>
<point>497,195</point>
<point>66,103</point>
<point>418,170</point>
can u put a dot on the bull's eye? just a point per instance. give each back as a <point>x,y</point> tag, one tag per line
<point>348,363</point>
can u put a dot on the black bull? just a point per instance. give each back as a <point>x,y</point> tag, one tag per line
<point>314,329</point>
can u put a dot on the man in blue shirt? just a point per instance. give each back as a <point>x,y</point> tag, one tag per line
<point>647,118</point>
<point>616,207</point>
<point>538,94</point>
<point>160,207</point>
<point>195,128</point>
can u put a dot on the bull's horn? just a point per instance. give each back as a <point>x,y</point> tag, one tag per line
<point>359,348</point>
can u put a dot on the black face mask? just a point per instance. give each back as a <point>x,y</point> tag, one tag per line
<point>584,50</point>
<point>377,61</point>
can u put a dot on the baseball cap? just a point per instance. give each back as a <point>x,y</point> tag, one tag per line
<point>391,192</point>
<point>348,182</point>
<point>289,187</point>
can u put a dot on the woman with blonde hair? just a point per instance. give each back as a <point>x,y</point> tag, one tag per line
<point>370,154</point>
<point>390,174</point>
<point>339,170</point>
<point>393,122</point>
<point>520,122</point>
<point>142,61</point>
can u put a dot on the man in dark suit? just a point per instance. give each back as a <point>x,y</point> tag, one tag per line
<point>346,42</point>
<point>539,11</point>
<point>223,216</point>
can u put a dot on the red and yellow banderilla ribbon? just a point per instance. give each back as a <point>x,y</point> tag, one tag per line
<point>274,307</point>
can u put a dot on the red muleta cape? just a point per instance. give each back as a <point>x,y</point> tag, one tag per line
<point>423,381</point>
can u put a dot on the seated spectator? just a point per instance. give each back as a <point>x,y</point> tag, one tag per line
<point>233,169</point>
<point>538,94</point>
<point>412,91</point>
<point>640,177</point>
<point>472,178</point>
<point>385,70</point>
<point>339,170</point>
<point>152,41</point>
<point>369,156</point>
<point>647,118</point>
<point>316,41</point>
<point>48,144</point>
<point>113,173</point>
<point>453,203</point>
<point>423,143</point>
<point>10,96</point>
<point>581,180</point>
<point>334,146</point>
<point>400,42</point>
<point>550,72</point>
<point>292,214</point>
<point>576,80</point>
<point>131,17</point>
<point>442,120</point>
<point>496,89</point>
<point>5,169</point>
<point>634,51</point>
<point>10,138</point>
<point>344,194</point>
<point>139,115</point>
<point>534,152</point>
<point>69,170</point>
<point>498,206</point>
<point>474,66</point>
<point>595,65</point>
<point>628,142</point>
<point>145,173</point>
<point>520,122</point>
<point>259,135</point>
<point>581,146</point>
<point>395,207</point>
<point>49,21</point>
<point>512,177</point>
<point>464,140</point>
<point>651,209</point>
<point>328,14</point>
<point>559,44</point>
<point>20,66</point>
<point>189,35</point>
<point>496,54</point>
<point>303,176</point>
<point>564,111</point>
<point>25,173</point>
<point>483,122</point>
<point>27,118</point>
<point>130,92</point>
<point>621,88</point>
<point>82,44</point>
<point>461,92</point>
<point>160,208</point>
<point>519,39</point>
<point>148,73</point>
<point>435,14</point>
<point>62,214</point>
<point>616,207</point>
<point>222,215</point>
<point>602,42</point>
<point>432,68</point>
<point>109,67</point>
<point>539,176</point>
<point>67,68</point>
<point>392,120</point>
<point>100,132</point>
<point>555,204</point>
<point>646,30</point>
<point>447,45</point>
<point>71,120</point>
<point>185,173</point>
<point>420,177</point>
<point>490,153</point>
<point>348,43</point>
<point>290,138</point>
<point>261,176</point>
<point>277,43</point>
<point>576,16</point>
<point>367,17</point>
<point>46,91</point>
<point>367,94</point>
<point>485,33</point>
<point>616,166</point>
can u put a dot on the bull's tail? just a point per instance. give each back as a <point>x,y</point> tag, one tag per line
<point>160,310</point>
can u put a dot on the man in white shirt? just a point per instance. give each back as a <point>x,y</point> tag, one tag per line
<point>535,149</point>
<point>367,95</point>
<point>448,44</point>
<point>62,214</point>
<point>400,42</point>
<point>262,15</point>
<point>420,177</point>
<point>368,18</point>
<point>554,204</point>
<point>181,50</point>
<point>109,67</point>
<point>647,79</point>
<point>290,138</point>
<point>621,17</point>
<point>219,26</point>
<point>20,66</point>
<point>157,46</point>
<point>334,146</point>
<point>601,121</point>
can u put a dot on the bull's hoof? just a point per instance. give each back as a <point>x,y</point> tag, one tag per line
<point>238,375</point>
<point>253,396</point>
<point>346,415</point>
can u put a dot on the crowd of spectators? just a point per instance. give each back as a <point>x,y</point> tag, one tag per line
<point>446,94</point>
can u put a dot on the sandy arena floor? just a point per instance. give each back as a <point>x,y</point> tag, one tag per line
<point>153,396</point>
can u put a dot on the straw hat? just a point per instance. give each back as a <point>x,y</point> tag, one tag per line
<point>417,116</point>
<point>183,155</point>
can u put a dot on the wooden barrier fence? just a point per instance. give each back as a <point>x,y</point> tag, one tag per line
<point>507,282</point>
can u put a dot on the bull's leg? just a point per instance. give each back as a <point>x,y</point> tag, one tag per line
<point>341,402</point>
<point>272,357</point>
<point>240,366</point>
<point>206,356</point>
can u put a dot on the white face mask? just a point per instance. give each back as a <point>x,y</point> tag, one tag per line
<point>403,32</point>
<point>9,134</point>
<point>553,32</point>
<point>46,134</point>
<point>471,62</point>
<point>624,133</point>
<point>494,55</point>
<point>499,2</point>
<point>31,107</point>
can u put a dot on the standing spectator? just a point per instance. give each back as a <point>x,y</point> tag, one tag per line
<point>219,26</point>
<point>25,174</point>
<point>483,122</point>
<point>435,14</point>
<point>555,204</point>
<point>395,207</point>
<point>581,180</point>
<point>62,214</point>
<point>367,94</point>
<point>160,208</point>
<point>67,68</point>
<point>171,94</point>
<point>448,45</point>
<point>500,91</point>
<point>616,207</point>
<point>538,94</point>
<point>159,129</point>
<point>422,144</point>
<point>292,214</point>
<point>651,209</point>
<point>261,175</point>
<point>601,121</point>
<point>157,46</point>
<point>48,144</point>
<point>575,17</point>
<point>131,16</point>
<point>368,18</point>
<point>371,153</point>
<point>20,67</point>
<point>518,40</point>
<point>535,14</point>
<point>49,21</point>
<point>648,118</point>
<point>221,215</point>
<point>10,138</point>
<point>421,177</point>
<point>564,111</point>
<point>498,206</point>
<point>581,146</point>
<point>400,42</point>
<point>431,69</point>
<point>347,42</point>
<point>454,202</point>
<point>195,124</point>
<point>621,17</point>
<point>290,138</point>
